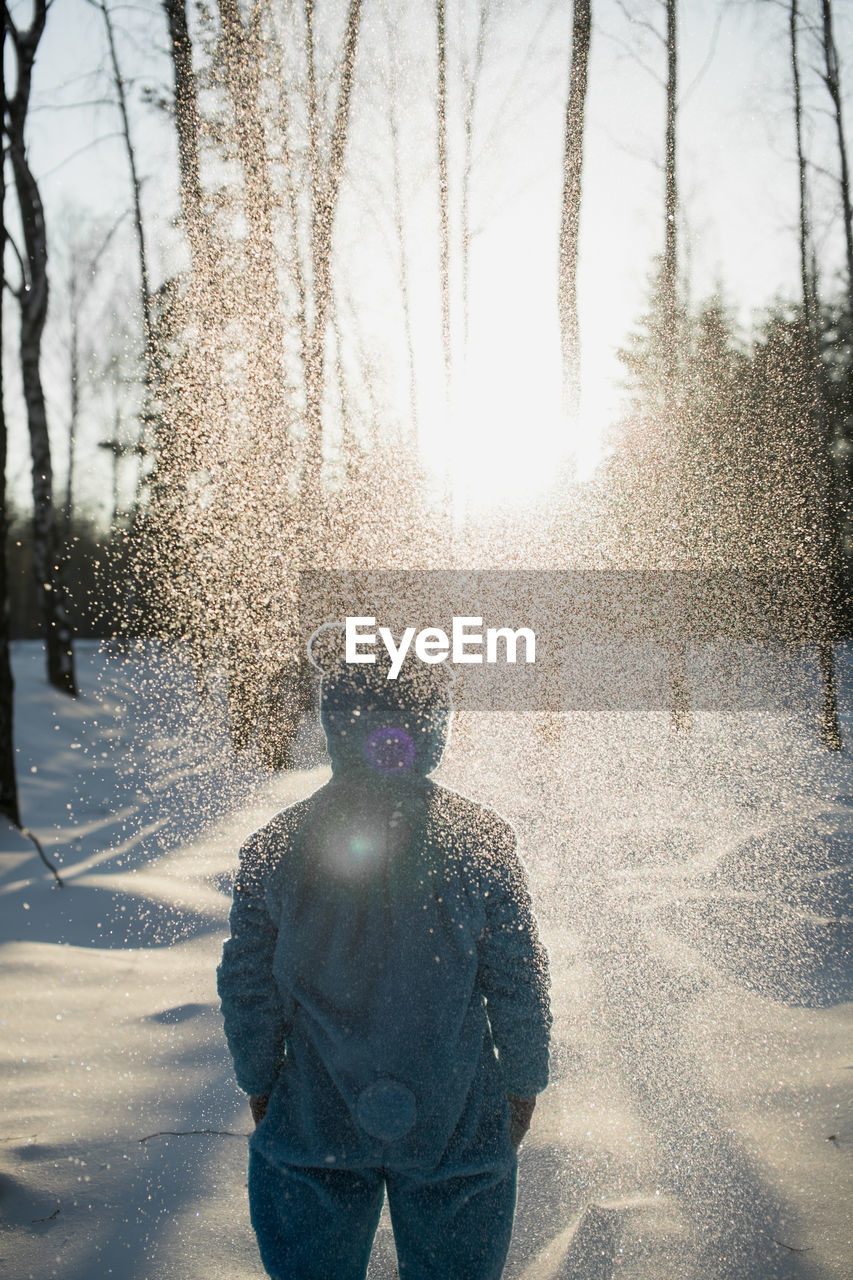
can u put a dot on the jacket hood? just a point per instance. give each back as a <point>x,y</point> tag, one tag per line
<point>393,728</point>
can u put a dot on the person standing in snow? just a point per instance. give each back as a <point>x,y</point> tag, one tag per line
<point>385,998</point>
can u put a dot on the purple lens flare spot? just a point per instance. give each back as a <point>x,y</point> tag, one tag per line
<point>389,750</point>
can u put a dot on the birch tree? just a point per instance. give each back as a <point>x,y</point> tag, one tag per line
<point>244,339</point>
<point>84,246</point>
<point>8,780</point>
<point>832,80</point>
<point>571,206</point>
<point>400,231</point>
<point>325,181</point>
<point>443,190</point>
<point>120,87</point>
<point>186,117</point>
<point>818,444</point>
<point>669,271</point>
<point>471,76</point>
<point>32,295</point>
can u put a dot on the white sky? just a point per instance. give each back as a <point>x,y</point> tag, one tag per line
<point>737,183</point>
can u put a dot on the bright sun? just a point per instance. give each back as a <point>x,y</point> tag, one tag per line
<point>506,439</point>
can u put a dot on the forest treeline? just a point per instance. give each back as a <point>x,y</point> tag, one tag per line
<point>274,433</point>
<point>732,479</point>
<point>99,571</point>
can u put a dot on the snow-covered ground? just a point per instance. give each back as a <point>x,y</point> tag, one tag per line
<point>695,894</point>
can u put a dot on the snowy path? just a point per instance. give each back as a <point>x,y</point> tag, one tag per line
<point>695,898</point>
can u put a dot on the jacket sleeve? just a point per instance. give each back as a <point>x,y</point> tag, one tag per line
<point>256,1022</point>
<point>513,972</point>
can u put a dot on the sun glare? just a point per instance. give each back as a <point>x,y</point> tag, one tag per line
<point>506,439</point>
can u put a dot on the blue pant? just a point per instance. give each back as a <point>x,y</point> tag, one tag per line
<point>319,1224</point>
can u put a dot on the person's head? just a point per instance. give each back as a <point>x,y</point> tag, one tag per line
<point>395,727</point>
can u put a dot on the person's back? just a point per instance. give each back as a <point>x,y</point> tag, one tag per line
<point>385,989</point>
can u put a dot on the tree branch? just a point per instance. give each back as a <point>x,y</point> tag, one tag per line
<point>25,831</point>
<point>189,1133</point>
<point>643,23</point>
<point>11,240</point>
<point>712,49</point>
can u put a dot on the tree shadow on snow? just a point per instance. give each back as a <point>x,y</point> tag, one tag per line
<point>776,914</point>
<point>83,915</point>
<point>169,1207</point>
<point>738,1217</point>
<point>158,768</point>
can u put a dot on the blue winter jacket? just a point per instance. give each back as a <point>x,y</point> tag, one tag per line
<point>384,981</point>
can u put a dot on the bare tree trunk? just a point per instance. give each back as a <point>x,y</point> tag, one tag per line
<point>397,192</point>
<point>187,130</point>
<point>806,280</point>
<point>443,192</point>
<point>33,304</point>
<point>73,401</point>
<point>295,261</point>
<point>314,180</point>
<point>253,688</point>
<point>265,696</point>
<point>242,56</point>
<point>136,194</point>
<point>669,274</point>
<point>347,440</point>
<point>194,414</point>
<point>832,82</point>
<point>830,732</point>
<point>471,91</point>
<point>325,188</point>
<point>680,712</point>
<point>8,780</point>
<point>570,221</point>
<point>149,417</point>
<point>242,53</point>
<point>60,656</point>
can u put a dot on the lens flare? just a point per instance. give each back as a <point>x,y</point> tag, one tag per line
<point>389,750</point>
